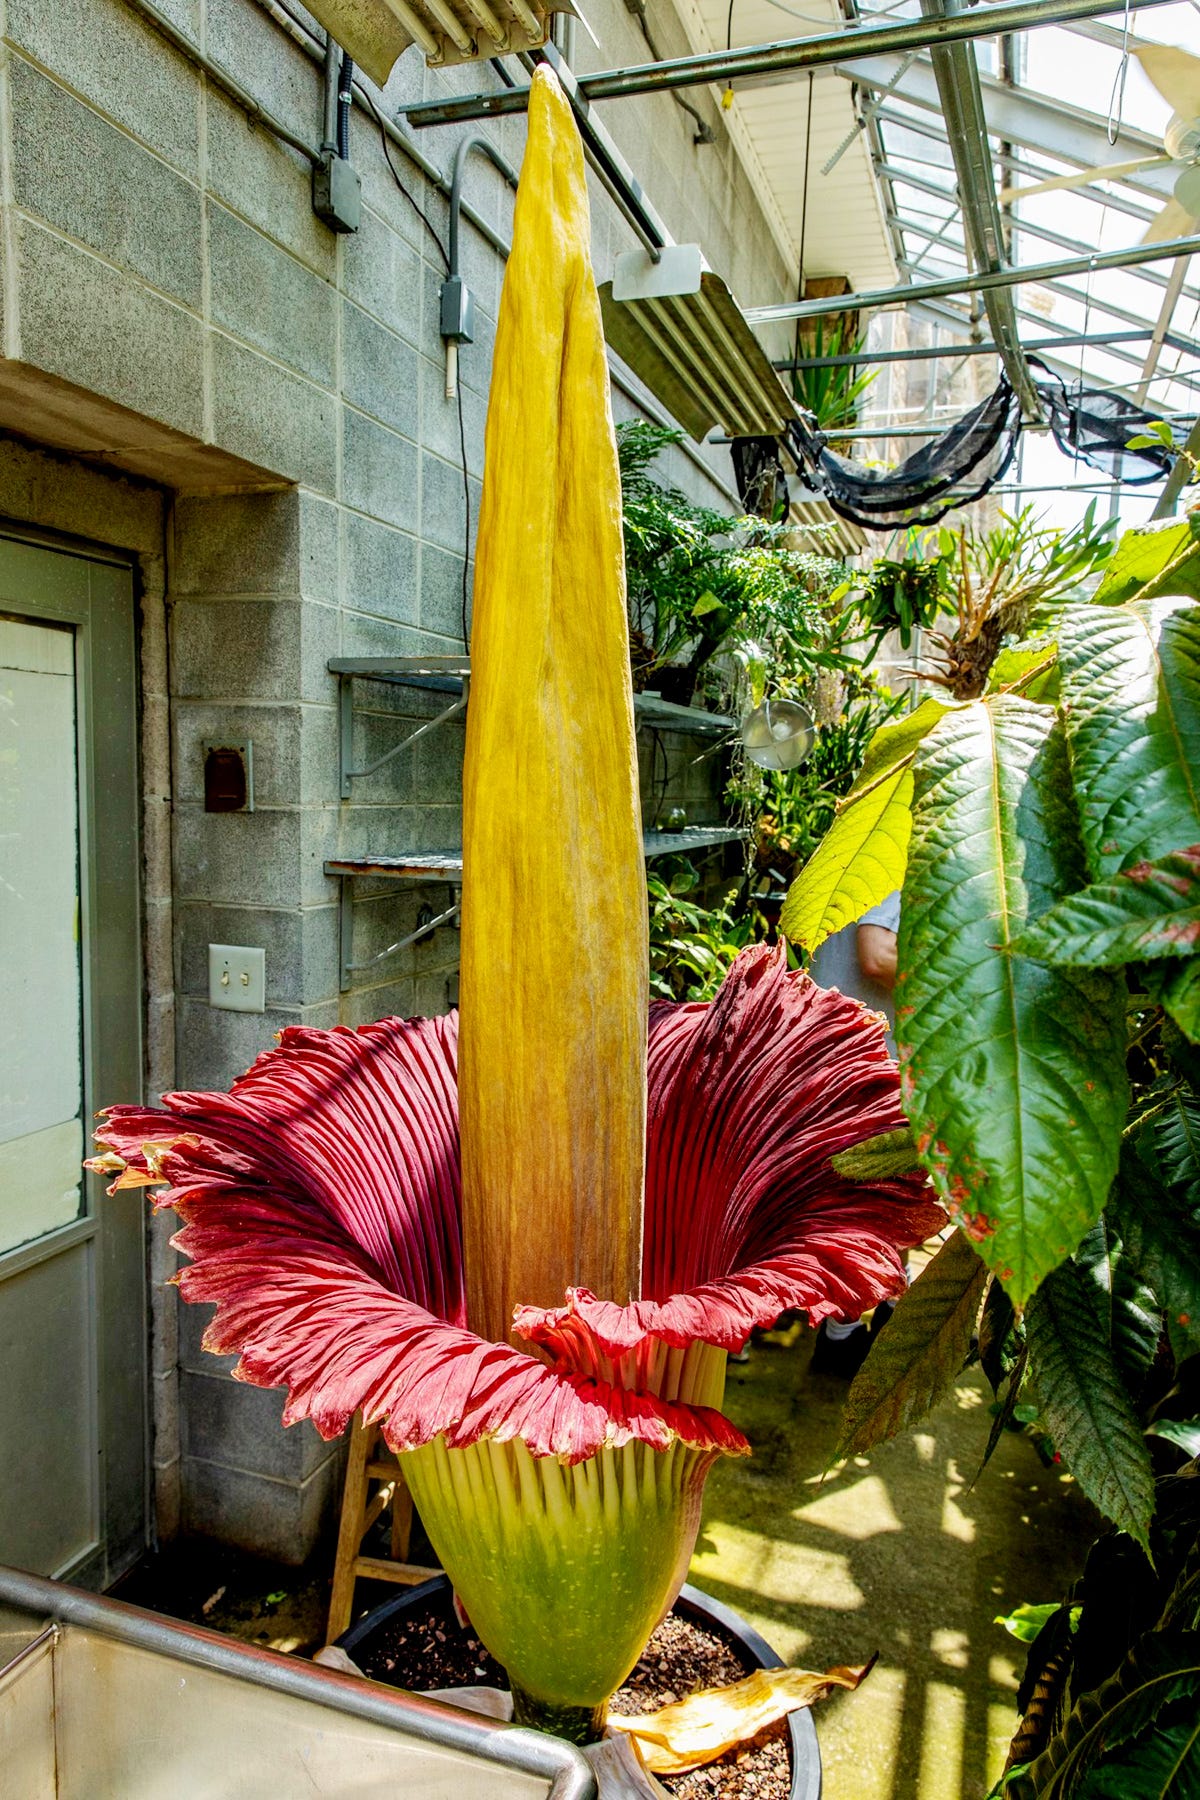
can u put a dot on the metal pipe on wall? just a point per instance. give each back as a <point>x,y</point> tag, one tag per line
<point>784,57</point>
<point>229,84</point>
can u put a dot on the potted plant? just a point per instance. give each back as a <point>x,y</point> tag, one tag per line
<point>374,1211</point>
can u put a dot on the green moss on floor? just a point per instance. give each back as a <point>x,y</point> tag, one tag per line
<point>890,1553</point>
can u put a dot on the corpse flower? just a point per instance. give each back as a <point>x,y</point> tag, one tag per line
<point>374,1211</point>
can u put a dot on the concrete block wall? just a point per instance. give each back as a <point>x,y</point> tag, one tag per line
<point>171,303</point>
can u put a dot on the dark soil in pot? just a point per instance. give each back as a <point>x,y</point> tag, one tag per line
<point>416,1642</point>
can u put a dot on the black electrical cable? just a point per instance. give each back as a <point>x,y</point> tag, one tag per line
<point>345,100</point>
<point>432,229</point>
<point>803,216</point>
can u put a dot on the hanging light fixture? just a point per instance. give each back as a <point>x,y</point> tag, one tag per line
<point>778,734</point>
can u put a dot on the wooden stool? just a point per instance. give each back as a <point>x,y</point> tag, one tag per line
<point>370,1462</point>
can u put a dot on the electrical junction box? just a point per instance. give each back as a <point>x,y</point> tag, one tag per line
<point>237,978</point>
<point>457,311</point>
<point>228,776</point>
<point>337,193</point>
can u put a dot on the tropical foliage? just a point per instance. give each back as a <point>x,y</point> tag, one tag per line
<point>373,1212</point>
<point>693,947</point>
<point>992,584</point>
<point>1046,838</point>
<point>832,394</point>
<point>702,582</point>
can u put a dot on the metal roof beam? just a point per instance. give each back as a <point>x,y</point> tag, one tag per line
<point>870,359</point>
<point>1032,274</point>
<point>944,311</point>
<point>957,76</point>
<point>781,59</point>
<point>1155,277</point>
<point>1021,116</point>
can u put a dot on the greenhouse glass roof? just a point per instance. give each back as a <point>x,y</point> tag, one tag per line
<point>1057,101</point>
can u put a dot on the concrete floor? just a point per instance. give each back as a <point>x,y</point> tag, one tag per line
<point>889,1553</point>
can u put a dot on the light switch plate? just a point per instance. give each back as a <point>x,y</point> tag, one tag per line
<point>237,978</point>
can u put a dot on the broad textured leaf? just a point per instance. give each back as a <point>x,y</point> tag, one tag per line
<point>1155,559</point>
<point>1025,1622</point>
<point>1128,1308</point>
<point>1184,1433</point>
<point>1013,1073</point>
<point>920,1352</point>
<point>1137,1737</point>
<point>1165,1765</point>
<point>1032,673</point>
<point>1085,1402</point>
<point>1131,699</point>
<point>1000,1339</point>
<point>1181,997</point>
<point>894,745</point>
<point>861,859</point>
<point>880,1158</point>
<point>1161,1235</point>
<point>1147,911</point>
<point>1175,1134</point>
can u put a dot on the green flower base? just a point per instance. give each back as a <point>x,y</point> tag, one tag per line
<point>564,1571</point>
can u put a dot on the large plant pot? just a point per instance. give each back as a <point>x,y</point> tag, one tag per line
<point>692,1604</point>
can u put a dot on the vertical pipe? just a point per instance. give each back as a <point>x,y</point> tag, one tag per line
<point>332,67</point>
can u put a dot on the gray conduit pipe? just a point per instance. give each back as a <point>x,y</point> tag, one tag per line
<point>260,116</point>
<point>312,49</point>
<point>221,78</point>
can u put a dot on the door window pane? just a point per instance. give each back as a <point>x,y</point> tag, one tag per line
<point>41,1070</point>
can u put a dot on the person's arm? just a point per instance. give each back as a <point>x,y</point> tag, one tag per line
<point>876,948</point>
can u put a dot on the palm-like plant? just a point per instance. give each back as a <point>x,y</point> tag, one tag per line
<point>367,1208</point>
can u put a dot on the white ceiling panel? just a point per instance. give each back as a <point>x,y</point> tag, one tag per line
<point>839,216</point>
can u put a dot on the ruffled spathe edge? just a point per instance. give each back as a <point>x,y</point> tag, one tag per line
<point>319,1200</point>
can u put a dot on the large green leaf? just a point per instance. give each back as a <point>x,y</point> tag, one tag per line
<point>1131,698</point>
<point>1149,910</point>
<point>920,1352</point>
<point>1135,1738</point>
<point>1013,1074</point>
<point>1031,672</point>
<point>860,860</point>
<point>857,864</point>
<point>1085,1402</point>
<point>1129,1313</point>
<point>1160,1231</point>
<point>1000,1338</point>
<point>1155,559</point>
<point>1181,996</point>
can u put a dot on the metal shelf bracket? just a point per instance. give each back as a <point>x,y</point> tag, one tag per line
<point>425,928</point>
<point>346,731</point>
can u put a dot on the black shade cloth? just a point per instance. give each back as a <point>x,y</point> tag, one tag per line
<point>956,468</point>
<point>1096,427</point>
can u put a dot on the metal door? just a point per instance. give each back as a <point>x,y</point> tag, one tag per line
<point>72,1281</point>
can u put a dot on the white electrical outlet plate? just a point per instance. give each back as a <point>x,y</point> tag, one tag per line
<point>237,978</point>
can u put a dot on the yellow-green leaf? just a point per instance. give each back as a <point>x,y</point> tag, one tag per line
<point>857,864</point>
<point>861,859</point>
